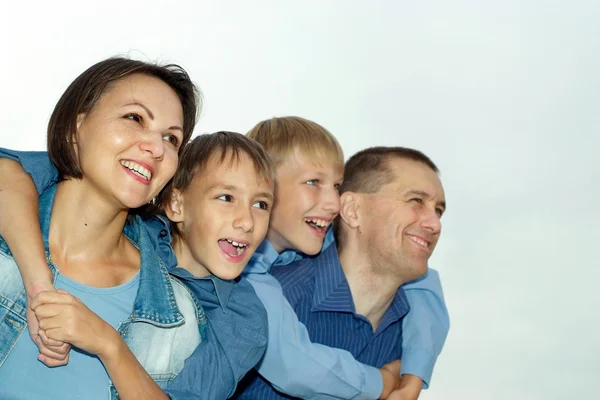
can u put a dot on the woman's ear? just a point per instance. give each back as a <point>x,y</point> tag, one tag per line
<point>174,207</point>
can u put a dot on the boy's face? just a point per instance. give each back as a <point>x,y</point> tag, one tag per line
<point>306,202</point>
<point>223,216</point>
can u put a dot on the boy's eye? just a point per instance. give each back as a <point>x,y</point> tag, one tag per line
<point>263,205</point>
<point>313,182</point>
<point>173,139</point>
<point>337,186</point>
<point>225,197</point>
<point>134,117</point>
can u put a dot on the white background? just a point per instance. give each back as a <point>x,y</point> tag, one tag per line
<point>503,96</point>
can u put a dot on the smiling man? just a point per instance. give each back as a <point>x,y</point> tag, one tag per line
<point>350,296</point>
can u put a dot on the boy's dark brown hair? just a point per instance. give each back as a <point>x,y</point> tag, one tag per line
<point>226,147</point>
<point>84,92</point>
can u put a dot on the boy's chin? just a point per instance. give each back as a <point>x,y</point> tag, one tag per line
<point>311,248</point>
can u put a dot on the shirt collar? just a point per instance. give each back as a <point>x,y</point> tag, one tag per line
<point>332,292</point>
<point>209,289</point>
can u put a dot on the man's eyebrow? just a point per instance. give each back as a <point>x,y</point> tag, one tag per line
<point>151,115</point>
<point>424,194</point>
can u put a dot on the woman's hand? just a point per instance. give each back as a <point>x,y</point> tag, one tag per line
<point>52,353</point>
<point>64,318</point>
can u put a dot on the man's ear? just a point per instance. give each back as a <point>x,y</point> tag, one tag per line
<point>175,208</point>
<point>349,209</point>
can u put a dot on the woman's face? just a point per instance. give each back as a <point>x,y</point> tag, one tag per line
<point>127,144</point>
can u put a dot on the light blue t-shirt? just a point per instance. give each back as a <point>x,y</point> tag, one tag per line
<point>84,377</point>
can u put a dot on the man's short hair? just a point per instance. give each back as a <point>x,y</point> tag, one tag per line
<point>369,169</point>
<point>282,137</point>
<point>225,147</point>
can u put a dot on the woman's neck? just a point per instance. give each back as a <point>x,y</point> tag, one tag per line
<point>84,226</point>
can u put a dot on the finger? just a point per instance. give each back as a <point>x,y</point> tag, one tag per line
<point>51,362</point>
<point>58,297</point>
<point>49,323</point>
<point>48,353</point>
<point>49,310</point>
<point>55,345</point>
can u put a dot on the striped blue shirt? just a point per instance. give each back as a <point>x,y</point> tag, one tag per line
<point>319,293</point>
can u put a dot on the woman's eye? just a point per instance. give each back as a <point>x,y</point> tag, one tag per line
<point>134,117</point>
<point>173,139</point>
<point>263,205</point>
<point>313,182</point>
<point>225,197</point>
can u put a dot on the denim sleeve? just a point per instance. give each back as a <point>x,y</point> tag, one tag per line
<point>236,338</point>
<point>296,366</point>
<point>425,327</point>
<point>37,164</point>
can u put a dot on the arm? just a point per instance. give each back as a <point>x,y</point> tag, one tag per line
<point>296,366</point>
<point>65,318</point>
<point>425,327</point>
<point>20,227</point>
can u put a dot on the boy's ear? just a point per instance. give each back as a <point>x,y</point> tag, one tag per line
<point>174,208</point>
<point>349,209</point>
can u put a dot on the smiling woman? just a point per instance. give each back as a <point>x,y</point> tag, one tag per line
<point>114,137</point>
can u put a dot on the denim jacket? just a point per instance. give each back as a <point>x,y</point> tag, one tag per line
<point>166,323</point>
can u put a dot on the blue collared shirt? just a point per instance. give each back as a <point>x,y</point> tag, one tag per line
<point>235,336</point>
<point>319,294</point>
<point>425,326</point>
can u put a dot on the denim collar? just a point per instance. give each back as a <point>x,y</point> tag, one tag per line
<point>155,300</point>
<point>211,284</point>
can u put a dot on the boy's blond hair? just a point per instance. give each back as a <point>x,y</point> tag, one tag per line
<point>282,137</point>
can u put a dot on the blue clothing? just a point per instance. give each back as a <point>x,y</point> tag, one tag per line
<point>162,329</point>
<point>292,363</point>
<point>235,335</point>
<point>425,326</point>
<point>318,292</point>
<point>236,331</point>
<point>84,375</point>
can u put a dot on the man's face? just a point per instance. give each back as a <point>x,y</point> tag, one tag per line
<point>225,217</point>
<point>306,202</point>
<point>401,222</point>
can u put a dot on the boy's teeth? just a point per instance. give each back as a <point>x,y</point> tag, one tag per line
<point>317,222</point>
<point>233,242</point>
<point>240,251</point>
<point>137,168</point>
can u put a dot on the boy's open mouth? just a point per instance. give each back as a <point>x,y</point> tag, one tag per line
<point>318,224</point>
<point>232,248</point>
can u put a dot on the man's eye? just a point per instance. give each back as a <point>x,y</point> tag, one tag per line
<point>134,117</point>
<point>417,200</point>
<point>439,212</point>
<point>173,139</point>
<point>263,205</point>
<point>225,197</point>
<point>313,182</point>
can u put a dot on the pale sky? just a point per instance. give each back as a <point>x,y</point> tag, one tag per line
<point>503,96</point>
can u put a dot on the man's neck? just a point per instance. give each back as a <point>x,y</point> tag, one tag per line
<point>372,290</point>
